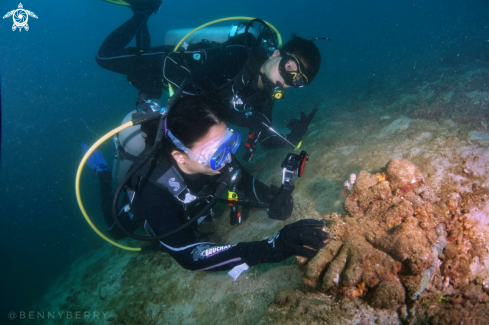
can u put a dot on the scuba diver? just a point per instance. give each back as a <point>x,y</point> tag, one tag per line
<point>242,73</point>
<point>176,184</point>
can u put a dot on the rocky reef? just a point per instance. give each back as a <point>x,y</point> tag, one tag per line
<point>401,254</point>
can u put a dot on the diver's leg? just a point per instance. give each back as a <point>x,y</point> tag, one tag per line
<point>142,65</point>
<point>143,39</point>
<point>147,7</point>
<point>115,43</point>
<point>113,54</point>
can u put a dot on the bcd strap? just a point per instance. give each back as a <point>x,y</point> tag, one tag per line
<point>124,155</point>
<point>171,180</point>
<point>163,175</point>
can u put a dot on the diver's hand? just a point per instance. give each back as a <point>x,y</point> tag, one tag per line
<point>298,128</point>
<point>281,204</point>
<point>289,241</point>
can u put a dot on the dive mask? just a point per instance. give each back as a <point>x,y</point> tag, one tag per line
<point>216,153</point>
<point>297,78</point>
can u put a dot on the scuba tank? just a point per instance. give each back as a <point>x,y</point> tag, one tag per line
<point>212,34</point>
<point>128,143</point>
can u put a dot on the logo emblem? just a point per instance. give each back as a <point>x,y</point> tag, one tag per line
<point>273,238</point>
<point>174,184</point>
<point>20,17</point>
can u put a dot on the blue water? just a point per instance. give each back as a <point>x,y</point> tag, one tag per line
<point>54,96</point>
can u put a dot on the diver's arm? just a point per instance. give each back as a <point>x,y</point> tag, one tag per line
<point>208,256</point>
<point>271,140</point>
<point>298,128</point>
<point>259,119</point>
<point>161,213</point>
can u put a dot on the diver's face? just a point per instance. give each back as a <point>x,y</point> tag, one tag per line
<point>190,166</point>
<point>271,68</point>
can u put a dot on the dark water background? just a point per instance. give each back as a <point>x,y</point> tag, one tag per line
<point>54,96</point>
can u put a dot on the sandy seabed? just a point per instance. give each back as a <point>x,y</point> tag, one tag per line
<point>439,123</point>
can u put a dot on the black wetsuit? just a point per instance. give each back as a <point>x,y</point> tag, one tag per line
<point>158,212</point>
<point>141,64</point>
<point>150,69</point>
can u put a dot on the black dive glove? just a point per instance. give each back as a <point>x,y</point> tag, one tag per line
<point>287,242</point>
<point>298,128</point>
<point>280,203</point>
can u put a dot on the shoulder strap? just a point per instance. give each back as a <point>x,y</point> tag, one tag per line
<point>163,175</point>
<point>123,154</point>
<point>169,179</point>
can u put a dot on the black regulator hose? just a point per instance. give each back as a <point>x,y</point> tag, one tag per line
<point>247,33</point>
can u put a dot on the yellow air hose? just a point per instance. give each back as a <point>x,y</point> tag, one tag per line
<point>77,184</point>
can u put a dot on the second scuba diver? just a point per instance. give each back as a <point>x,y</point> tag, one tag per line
<point>246,79</point>
<point>195,157</point>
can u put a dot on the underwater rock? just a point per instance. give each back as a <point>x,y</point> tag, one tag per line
<point>387,295</point>
<point>467,250</point>
<point>389,243</point>
<point>292,306</point>
<point>402,254</point>
<point>403,175</point>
